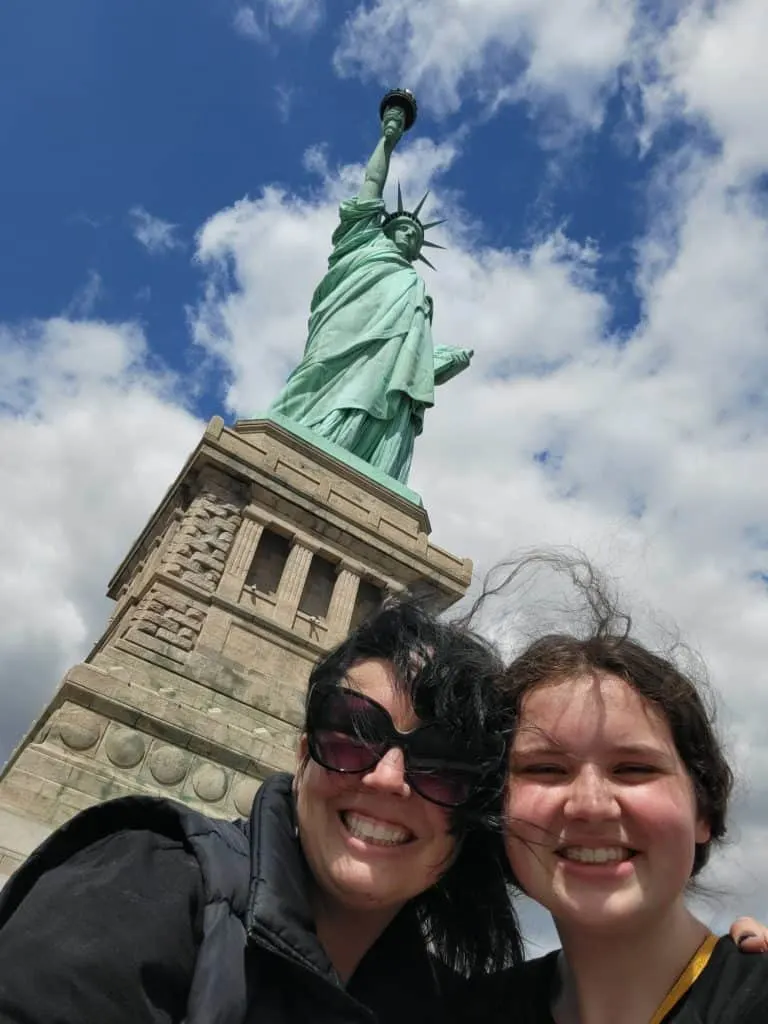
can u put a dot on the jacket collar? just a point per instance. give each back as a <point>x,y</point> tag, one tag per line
<point>279,914</point>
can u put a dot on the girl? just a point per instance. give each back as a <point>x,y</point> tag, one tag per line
<point>618,788</point>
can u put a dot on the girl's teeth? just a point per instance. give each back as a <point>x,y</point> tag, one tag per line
<point>590,855</point>
<point>375,832</point>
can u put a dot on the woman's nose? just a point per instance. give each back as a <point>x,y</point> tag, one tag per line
<point>388,774</point>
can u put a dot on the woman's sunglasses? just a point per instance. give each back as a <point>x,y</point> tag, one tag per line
<point>348,732</point>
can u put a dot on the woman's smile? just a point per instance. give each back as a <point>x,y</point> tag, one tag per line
<point>373,831</point>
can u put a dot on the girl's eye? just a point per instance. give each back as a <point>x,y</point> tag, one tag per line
<point>636,769</point>
<point>541,769</point>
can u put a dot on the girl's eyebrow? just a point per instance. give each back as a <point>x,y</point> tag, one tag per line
<point>539,750</point>
<point>535,741</point>
<point>540,747</point>
<point>640,750</point>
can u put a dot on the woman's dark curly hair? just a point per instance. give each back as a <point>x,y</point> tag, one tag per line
<point>451,676</point>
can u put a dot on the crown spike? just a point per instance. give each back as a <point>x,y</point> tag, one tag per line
<point>432,245</point>
<point>425,260</point>
<point>417,211</point>
<point>434,223</point>
<point>399,199</point>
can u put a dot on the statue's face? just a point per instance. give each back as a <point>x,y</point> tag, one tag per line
<point>407,237</point>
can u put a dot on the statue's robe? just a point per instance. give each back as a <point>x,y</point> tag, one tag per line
<point>369,368</point>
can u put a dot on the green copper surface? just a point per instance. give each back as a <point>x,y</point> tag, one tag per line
<point>345,456</point>
<point>369,368</point>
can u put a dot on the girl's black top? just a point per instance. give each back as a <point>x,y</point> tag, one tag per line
<point>732,989</point>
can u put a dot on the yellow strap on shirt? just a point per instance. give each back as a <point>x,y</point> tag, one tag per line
<point>691,972</point>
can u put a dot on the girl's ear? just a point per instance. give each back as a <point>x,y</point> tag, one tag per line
<point>703,831</point>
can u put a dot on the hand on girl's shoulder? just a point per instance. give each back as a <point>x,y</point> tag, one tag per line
<point>749,935</point>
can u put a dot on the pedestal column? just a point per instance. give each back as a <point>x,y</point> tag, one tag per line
<point>342,603</point>
<point>241,557</point>
<point>292,581</point>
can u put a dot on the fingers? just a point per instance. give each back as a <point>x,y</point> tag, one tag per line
<point>392,132</point>
<point>749,935</point>
<point>393,124</point>
<point>748,943</point>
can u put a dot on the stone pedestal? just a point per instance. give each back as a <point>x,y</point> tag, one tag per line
<point>261,555</point>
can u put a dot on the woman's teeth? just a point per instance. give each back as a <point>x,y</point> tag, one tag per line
<point>375,832</point>
<point>592,855</point>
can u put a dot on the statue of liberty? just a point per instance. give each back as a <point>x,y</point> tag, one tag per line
<point>369,368</point>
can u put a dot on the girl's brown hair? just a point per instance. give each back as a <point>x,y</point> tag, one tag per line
<point>606,645</point>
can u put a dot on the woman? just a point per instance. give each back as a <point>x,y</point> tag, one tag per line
<point>618,789</point>
<point>324,905</point>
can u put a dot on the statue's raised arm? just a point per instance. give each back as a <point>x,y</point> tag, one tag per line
<point>369,369</point>
<point>392,128</point>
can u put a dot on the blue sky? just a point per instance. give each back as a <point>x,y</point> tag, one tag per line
<point>170,178</point>
<point>166,107</point>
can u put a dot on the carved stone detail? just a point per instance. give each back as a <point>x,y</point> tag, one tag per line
<point>125,748</point>
<point>244,793</point>
<point>169,765</point>
<point>199,549</point>
<point>79,729</point>
<point>150,551</point>
<point>209,781</point>
<point>168,616</point>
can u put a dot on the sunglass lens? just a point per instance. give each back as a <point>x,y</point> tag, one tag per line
<point>344,753</point>
<point>443,786</point>
<point>347,733</point>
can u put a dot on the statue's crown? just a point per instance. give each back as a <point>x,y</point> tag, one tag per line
<point>413,215</point>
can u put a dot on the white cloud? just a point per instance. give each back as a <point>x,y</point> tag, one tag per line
<point>304,14</point>
<point>711,67</point>
<point>496,49</point>
<point>155,234</point>
<point>284,98</point>
<point>254,19</point>
<point>246,24</point>
<point>86,297</point>
<point>81,217</point>
<point>90,438</point>
<point>656,447</point>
